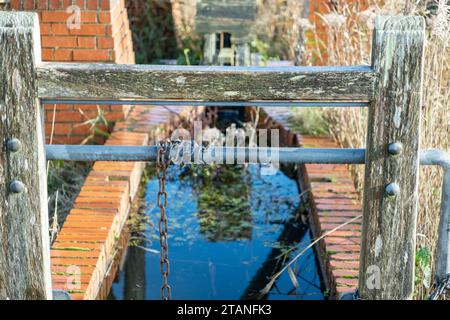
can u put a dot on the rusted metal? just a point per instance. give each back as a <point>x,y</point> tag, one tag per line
<point>161,165</point>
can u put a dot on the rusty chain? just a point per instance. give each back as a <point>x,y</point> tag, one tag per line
<point>161,165</point>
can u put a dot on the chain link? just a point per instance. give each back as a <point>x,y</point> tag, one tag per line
<point>161,166</point>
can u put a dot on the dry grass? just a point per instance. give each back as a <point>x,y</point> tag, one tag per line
<point>345,39</point>
<point>280,23</point>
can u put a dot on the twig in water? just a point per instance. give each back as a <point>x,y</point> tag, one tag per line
<point>278,274</point>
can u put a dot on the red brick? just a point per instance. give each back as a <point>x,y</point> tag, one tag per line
<point>67,3</point>
<point>89,30</point>
<point>348,234</point>
<point>344,248</point>
<point>332,207</point>
<point>81,4</point>
<point>345,256</point>
<point>344,289</point>
<point>347,282</point>
<point>58,128</point>
<point>341,241</point>
<point>28,4</point>
<point>60,29</point>
<point>54,16</point>
<point>92,4</point>
<point>327,227</point>
<point>74,254</point>
<point>105,43</point>
<point>63,55</point>
<point>344,264</point>
<point>15,4</point>
<point>104,17</point>
<point>65,116</point>
<point>64,286</point>
<point>108,30</point>
<point>55,4</point>
<point>47,54</point>
<point>57,41</point>
<point>56,278</point>
<point>114,116</point>
<point>66,270</point>
<point>66,107</point>
<point>342,273</point>
<point>45,28</point>
<point>81,129</point>
<point>105,4</point>
<point>90,55</point>
<point>88,17</point>
<point>93,212</point>
<point>86,42</point>
<point>348,214</point>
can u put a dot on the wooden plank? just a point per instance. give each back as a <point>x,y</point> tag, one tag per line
<point>24,237</point>
<point>231,9</point>
<point>205,83</point>
<point>390,214</point>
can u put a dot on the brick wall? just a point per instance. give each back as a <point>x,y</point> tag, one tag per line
<point>103,35</point>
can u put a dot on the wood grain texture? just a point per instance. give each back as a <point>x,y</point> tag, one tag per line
<point>389,223</point>
<point>236,17</point>
<point>204,83</point>
<point>24,238</point>
<point>231,9</point>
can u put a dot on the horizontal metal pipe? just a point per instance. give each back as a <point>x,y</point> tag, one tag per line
<point>442,159</point>
<point>249,155</point>
<point>286,155</point>
<point>100,153</point>
<point>320,104</point>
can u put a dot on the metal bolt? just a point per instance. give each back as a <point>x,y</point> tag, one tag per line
<point>16,186</point>
<point>13,145</point>
<point>395,148</point>
<point>392,189</point>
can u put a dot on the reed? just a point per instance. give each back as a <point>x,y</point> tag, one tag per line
<point>342,36</point>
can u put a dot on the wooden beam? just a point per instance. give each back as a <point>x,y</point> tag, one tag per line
<point>112,81</point>
<point>24,237</point>
<point>231,9</point>
<point>392,161</point>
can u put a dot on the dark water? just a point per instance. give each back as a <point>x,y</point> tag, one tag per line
<point>230,229</point>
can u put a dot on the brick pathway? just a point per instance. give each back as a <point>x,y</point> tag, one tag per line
<point>86,253</point>
<point>334,201</point>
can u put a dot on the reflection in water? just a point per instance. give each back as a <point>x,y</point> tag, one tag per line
<point>223,202</point>
<point>230,230</point>
<point>134,274</point>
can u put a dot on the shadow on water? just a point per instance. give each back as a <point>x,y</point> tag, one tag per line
<point>230,229</point>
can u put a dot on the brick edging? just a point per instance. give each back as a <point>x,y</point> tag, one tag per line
<point>333,201</point>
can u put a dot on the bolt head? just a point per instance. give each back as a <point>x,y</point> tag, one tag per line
<point>16,187</point>
<point>395,148</point>
<point>13,145</point>
<point>392,189</point>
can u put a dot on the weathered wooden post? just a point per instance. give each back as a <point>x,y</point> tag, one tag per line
<point>24,238</point>
<point>392,160</point>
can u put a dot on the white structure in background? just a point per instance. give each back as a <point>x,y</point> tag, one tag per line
<point>227,29</point>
